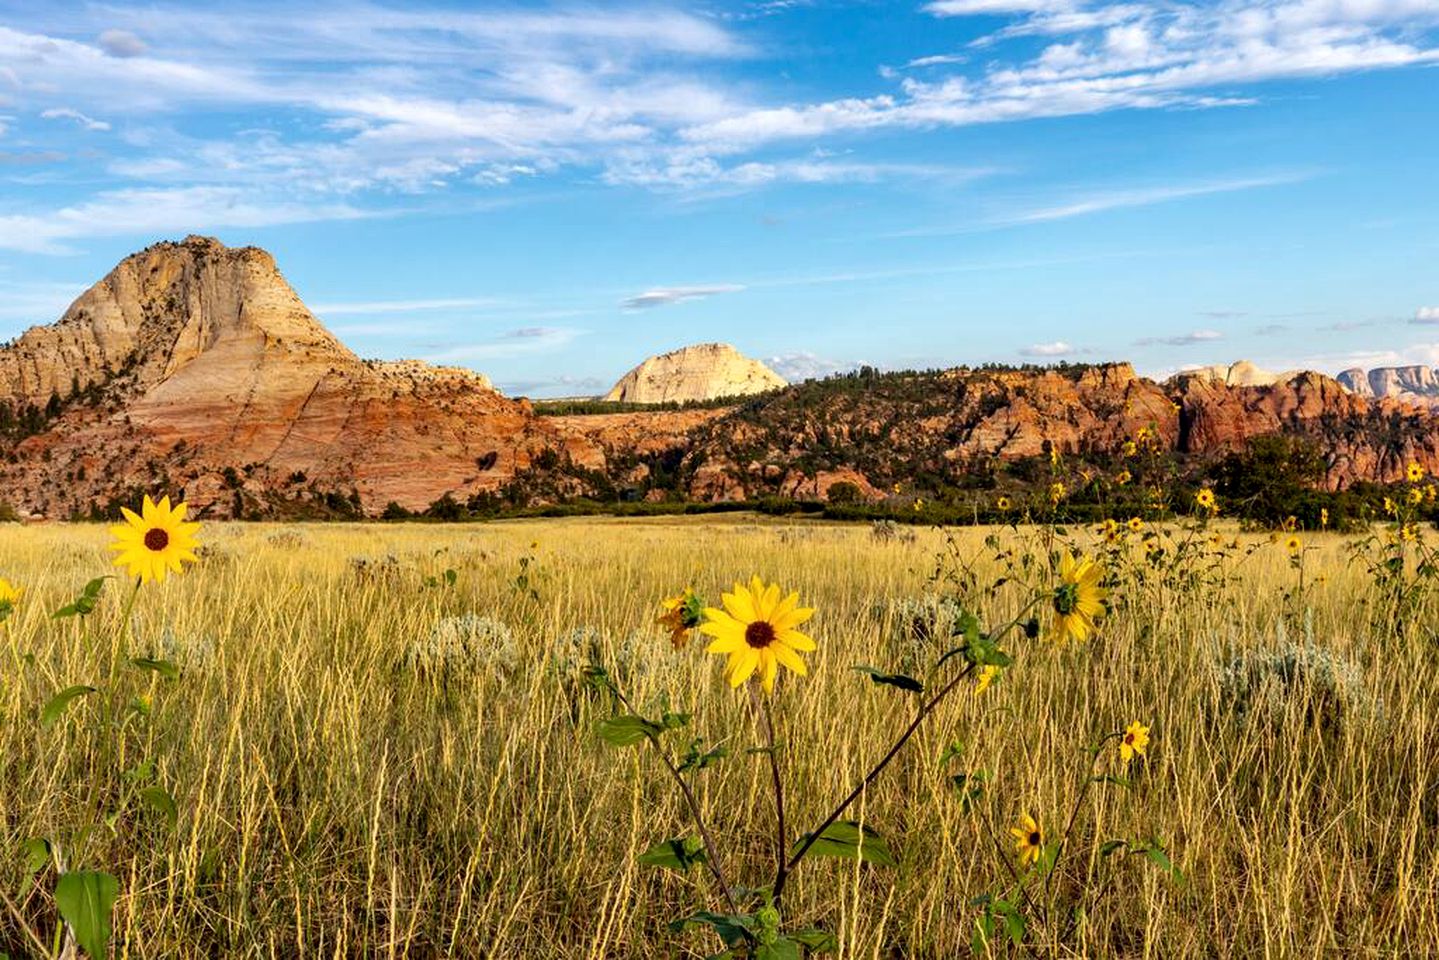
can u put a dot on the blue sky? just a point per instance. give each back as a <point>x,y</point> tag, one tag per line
<point>549,193</point>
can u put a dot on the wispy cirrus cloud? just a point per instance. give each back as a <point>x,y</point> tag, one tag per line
<point>1144,197</point>
<point>668,296</point>
<point>514,343</point>
<point>403,306</point>
<point>1182,339</point>
<point>160,211</point>
<point>66,113</point>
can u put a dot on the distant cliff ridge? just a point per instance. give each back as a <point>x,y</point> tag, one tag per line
<point>1417,383</point>
<point>705,371</point>
<point>193,368</point>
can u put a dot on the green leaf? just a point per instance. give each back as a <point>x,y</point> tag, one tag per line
<point>61,702</point>
<point>85,603</point>
<point>849,840</point>
<point>893,679</point>
<point>1111,846</point>
<point>678,854</point>
<point>781,949</point>
<point>85,899</point>
<point>451,576</point>
<point>1154,850</point>
<point>1112,778</point>
<point>627,730</point>
<point>735,930</point>
<point>159,799</point>
<point>696,758</point>
<point>37,858</point>
<point>951,752</point>
<point>817,940</point>
<point>164,668</point>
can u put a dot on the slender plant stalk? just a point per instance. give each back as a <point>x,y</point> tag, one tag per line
<point>712,857</point>
<point>761,708</point>
<point>869,778</point>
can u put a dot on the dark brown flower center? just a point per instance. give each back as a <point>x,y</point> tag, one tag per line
<point>1034,838</point>
<point>759,634</point>
<point>156,539</point>
<point>1066,598</point>
<point>1129,738</point>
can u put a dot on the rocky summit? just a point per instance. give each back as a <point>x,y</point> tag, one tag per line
<point>705,371</point>
<point>192,365</point>
<point>193,368</point>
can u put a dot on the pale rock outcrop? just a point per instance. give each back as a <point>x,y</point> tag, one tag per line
<point>1242,373</point>
<point>704,371</point>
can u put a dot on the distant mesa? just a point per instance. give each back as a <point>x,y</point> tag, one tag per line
<point>1416,383</point>
<point>705,371</point>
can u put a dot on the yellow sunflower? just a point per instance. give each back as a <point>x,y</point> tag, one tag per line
<point>1293,544</point>
<point>1324,517</point>
<point>1415,472</point>
<point>987,675</point>
<point>1028,839</point>
<point>1206,501</point>
<point>9,598</point>
<point>1057,492</point>
<point>1079,599</point>
<point>756,629</point>
<point>1416,496</point>
<point>682,613</point>
<point>1135,524</point>
<point>1122,477</point>
<point>1390,507</point>
<point>154,542</point>
<point>1002,503</point>
<point>1130,448</point>
<point>1134,742</point>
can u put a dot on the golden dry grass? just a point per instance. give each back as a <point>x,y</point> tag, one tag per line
<point>335,801</point>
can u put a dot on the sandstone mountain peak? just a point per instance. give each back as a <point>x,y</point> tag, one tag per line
<point>191,360</point>
<point>703,371</point>
<point>1241,373</point>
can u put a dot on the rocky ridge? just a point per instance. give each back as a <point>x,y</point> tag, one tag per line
<point>194,368</point>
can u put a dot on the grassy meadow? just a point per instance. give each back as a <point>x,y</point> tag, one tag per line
<point>370,755</point>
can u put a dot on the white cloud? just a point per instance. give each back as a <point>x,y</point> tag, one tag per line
<point>666,296</point>
<point>1146,55</point>
<point>515,343</point>
<point>1181,340</point>
<point>157,212</point>
<point>1143,197</point>
<point>402,306</point>
<point>803,365</point>
<point>938,60</point>
<point>121,43</point>
<point>1426,315</point>
<point>1057,348</point>
<point>65,113</point>
<point>970,8</point>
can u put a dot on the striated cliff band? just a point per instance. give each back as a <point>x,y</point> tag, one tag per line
<point>194,368</point>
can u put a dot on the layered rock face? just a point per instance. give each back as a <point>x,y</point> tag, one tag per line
<point>190,358</point>
<point>705,371</point>
<point>1418,384</point>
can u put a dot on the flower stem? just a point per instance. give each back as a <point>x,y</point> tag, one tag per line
<point>761,708</point>
<point>869,778</point>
